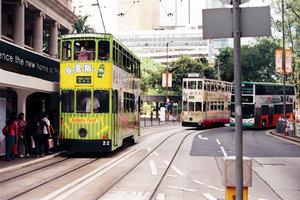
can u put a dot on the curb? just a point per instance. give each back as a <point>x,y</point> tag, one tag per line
<point>281,137</point>
<point>18,166</point>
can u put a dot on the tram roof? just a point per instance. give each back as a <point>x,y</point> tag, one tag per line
<point>87,35</point>
<point>265,83</point>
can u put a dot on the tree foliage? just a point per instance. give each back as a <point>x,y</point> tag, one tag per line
<point>181,68</point>
<point>151,76</point>
<point>258,62</point>
<point>291,26</point>
<point>81,26</point>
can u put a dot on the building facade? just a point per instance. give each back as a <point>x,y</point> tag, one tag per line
<point>29,65</point>
<point>137,15</point>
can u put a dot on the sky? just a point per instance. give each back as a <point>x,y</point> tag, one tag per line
<point>109,12</point>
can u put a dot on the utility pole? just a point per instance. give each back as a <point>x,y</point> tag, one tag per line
<point>238,99</point>
<point>283,60</point>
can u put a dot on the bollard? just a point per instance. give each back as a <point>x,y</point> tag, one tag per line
<point>229,174</point>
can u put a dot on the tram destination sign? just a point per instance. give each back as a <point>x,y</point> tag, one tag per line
<point>21,61</point>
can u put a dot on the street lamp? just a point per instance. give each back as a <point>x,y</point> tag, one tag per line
<point>167,82</point>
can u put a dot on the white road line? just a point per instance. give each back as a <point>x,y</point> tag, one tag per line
<point>171,175</point>
<point>223,151</point>
<point>180,173</point>
<point>209,196</point>
<point>181,188</point>
<point>202,138</point>
<point>89,177</point>
<point>215,188</point>
<point>219,143</point>
<point>153,167</point>
<point>160,196</point>
<point>155,153</point>
<point>199,182</point>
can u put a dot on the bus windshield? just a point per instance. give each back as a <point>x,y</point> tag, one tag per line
<point>247,110</point>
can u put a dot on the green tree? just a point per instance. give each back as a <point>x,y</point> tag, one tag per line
<point>81,26</point>
<point>258,62</point>
<point>151,76</point>
<point>224,63</point>
<point>292,28</point>
<point>180,69</point>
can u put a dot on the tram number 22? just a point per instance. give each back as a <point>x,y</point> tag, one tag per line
<point>106,143</point>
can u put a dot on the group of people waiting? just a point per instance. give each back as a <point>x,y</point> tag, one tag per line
<point>31,136</point>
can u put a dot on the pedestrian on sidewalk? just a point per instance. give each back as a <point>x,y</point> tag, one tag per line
<point>37,135</point>
<point>46,134</point>
<point>22,126</point>
<point>12,138</point>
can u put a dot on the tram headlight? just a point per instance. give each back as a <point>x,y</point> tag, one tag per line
<point>82,132</point>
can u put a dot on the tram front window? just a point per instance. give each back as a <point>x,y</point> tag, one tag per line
<point>67,100</point>
<point>83,102</point>
<point>101,97</point>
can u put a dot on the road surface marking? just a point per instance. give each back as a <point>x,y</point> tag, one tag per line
<point>202,138</point>
<point>219,143</point>
<point>153,167</point>
<point>215,188</point>
<point>160,196</point>
<point>171,175</point>
<point>199,182</point>
<point>281,138</point>
<point>209,196</point>
<point>223,151</point>
<point>180,173</point>
<point>181,188</point>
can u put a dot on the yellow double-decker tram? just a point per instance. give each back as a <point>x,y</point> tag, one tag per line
<point>100,93</point>
<point>205,102</point>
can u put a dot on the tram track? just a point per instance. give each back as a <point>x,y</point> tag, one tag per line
<point>143,159</point>
<point>54,178</point>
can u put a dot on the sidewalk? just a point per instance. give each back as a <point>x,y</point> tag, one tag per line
<point>18,163</point>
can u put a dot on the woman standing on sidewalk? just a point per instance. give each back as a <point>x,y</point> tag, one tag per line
<point>12,137</point>
<point>22,125</point>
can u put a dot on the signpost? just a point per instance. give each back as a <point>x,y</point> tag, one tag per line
<point>236,23</point>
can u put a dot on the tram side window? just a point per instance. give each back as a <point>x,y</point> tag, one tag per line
<point>84,50</point>
<point>67,101</point>
<point>83,101</point>
<point>129,105</point>
<point>191,106</point>
<point>66,51</point>
<point>184,107</point>
<point>198,106</point>
<point>192,85</point>
<point>184,84</point>
<point>204,106</point>
<point>103,50</point>
<point>101,101</point>
<point>199,85</point>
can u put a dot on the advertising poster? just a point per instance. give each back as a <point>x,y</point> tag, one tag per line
<point>288,61</point>
<point>278,61</point>
<point>164,80</point>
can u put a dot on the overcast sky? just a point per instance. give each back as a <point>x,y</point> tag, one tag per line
<point>109,12</point>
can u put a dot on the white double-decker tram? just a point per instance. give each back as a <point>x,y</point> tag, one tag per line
<point>205,102</point>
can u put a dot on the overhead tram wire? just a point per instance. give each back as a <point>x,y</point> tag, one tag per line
<point>101,16</point>
<point>122,14</point>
